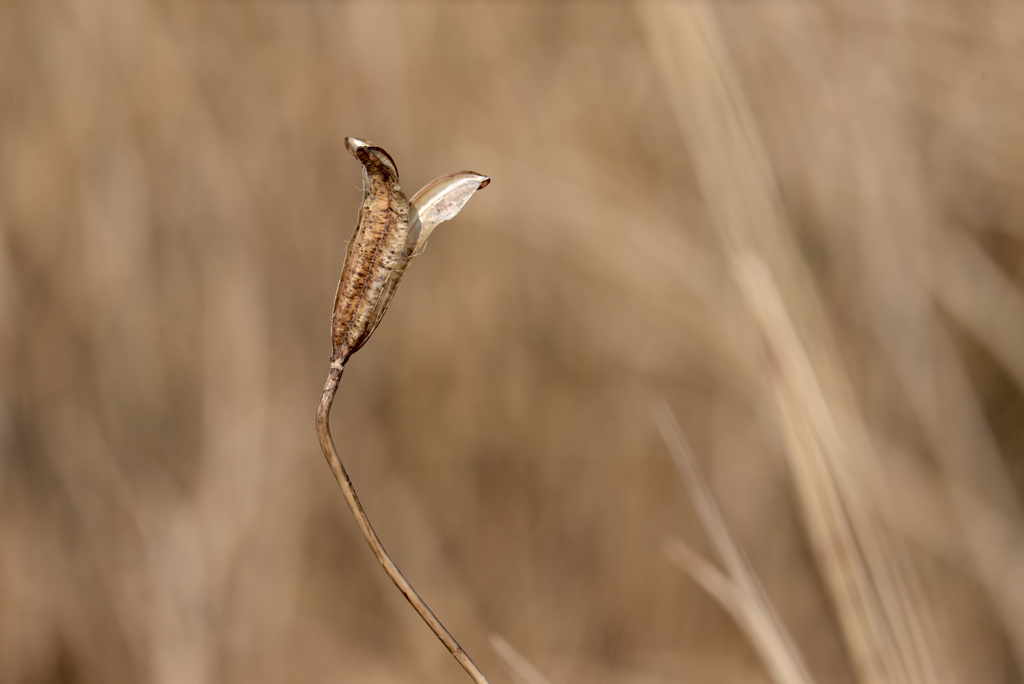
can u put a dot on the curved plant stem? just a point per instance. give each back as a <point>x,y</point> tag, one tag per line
<point>323,430</point>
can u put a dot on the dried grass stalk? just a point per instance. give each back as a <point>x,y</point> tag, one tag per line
<point>877,598</point>
<point>840,539</point>
<point>738,591</point>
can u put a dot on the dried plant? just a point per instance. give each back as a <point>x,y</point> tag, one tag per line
<point>391,231</point>
<point>160,518</point>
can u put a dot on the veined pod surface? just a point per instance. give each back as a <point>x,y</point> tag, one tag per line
<point>373,252</point>
<point>390,232</point>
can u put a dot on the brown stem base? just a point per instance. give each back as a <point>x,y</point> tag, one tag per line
<point>323,430</point>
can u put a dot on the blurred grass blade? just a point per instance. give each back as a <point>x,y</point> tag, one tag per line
<point>969,284</point>
<point>879,624</point>
<point>519,668</point>
<point>710,578</point>
<point>740,593</point>
<point>832,459</point>
<point>703,500</point>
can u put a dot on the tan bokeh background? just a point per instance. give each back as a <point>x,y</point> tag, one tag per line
<point>673,185</point>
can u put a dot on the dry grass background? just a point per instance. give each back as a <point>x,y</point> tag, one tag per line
<point>800,223</point>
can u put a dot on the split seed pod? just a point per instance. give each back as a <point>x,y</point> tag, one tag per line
<point>390,232</point>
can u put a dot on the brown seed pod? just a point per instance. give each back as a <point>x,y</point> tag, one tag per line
<point>373,252</point>
<point>387,237</point>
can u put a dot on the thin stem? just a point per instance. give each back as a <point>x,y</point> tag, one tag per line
<point>323,430</point>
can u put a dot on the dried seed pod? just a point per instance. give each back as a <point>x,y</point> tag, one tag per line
<point>373,252</point>
<point>385,240</point>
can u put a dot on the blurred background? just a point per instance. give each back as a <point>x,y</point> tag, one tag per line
<point>795,226</point>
